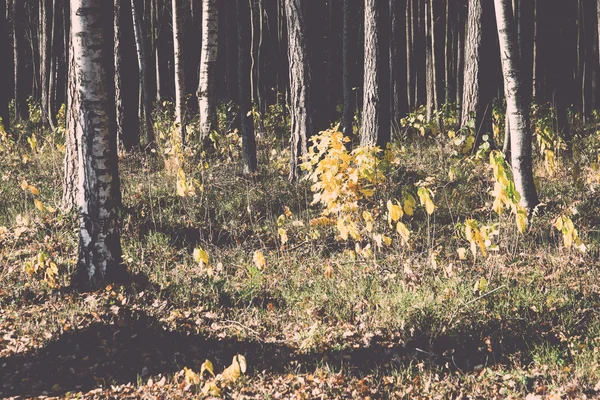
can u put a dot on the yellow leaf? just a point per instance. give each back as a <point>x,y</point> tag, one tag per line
<point>191,378</point>
<point>207,366</point>
<point>521,218</point>
<point>409,204</point>
<point>200,255</point>
<point>328,273</point>
<point>425,198</point>
<point>342,229</point>
<point>387,240</point>
<point>236,369</point>
<point>403,231</point>
<point>259,259</point>
<point>38,204</point>
<point>394,212</point>
<point>367,192</point>
<point>280,220</point>
<point>211,389</point>
<point>283,235</point>
<point>462,253</point>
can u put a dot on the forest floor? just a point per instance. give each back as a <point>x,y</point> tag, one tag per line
<point>318,317</point>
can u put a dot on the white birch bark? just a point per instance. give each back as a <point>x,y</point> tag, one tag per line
<point>179,72</point>
<point>98,193</point>
<point>516,109</point>
<point>208,60</point>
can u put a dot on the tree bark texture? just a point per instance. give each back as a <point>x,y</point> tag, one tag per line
<point>180,101</point>
<point>45,46</point>
<point>126,77</point>
<point>399,106</point>
<point>347,61</point>
<point>4,67</point>
<point>517,110</point>
<point>207,94</point>
<point>376,97</point>
<point>471,89</point>
<point>18,34</point>
<point>244,88</point>
<point>98,194</point>
<point>145,112</point>
<point>300,85</point>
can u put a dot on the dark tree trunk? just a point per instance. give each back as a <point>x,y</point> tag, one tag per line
<point>145,111</point>
<point>399,105</point>
<point>410,58</point>
<point>126,77</point>
<point>18,33</point>
<point>471,97</point>
<point>348,60</point>
<point>45,45</point>
<point>300,84</point>
<point>244,87</point>
<point>4,68</point>
<point>376,101</point>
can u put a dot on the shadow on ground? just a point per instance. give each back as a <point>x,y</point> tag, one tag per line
<point>105,354</point>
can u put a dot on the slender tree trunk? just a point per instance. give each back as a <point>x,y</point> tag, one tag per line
<point>448,56</point>
<point>300,85</point>
<point>71,176</point>
<point>145,112</point>
<point>517,110</point>
<point>471,87</point>
<point>207,95</point>
<point>18,19</point>
<point>45,43</point>
<point>99,196</point>
<point>55,49</point>
<point>180,102</point>
<point>410,59</point>
<point>4,68</point>
<point>429,61</point>
<point>347,60</point>
<point>376,104</point>
<point>399,106</point>
<point>244,88</point>
<point>126,78</point>
<point>460,57</point>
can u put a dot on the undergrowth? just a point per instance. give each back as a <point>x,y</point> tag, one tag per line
<point>385,272</point>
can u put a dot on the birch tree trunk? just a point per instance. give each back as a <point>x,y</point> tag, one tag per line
<point>98,194</point>
<point>516,109</point>
<point>207,96</point>
<point>245,88</point>
<point>376,101</point>
<point>71,177</point>
<point>300,85</point>
<point>180,106</point>
<point>4,67</point>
